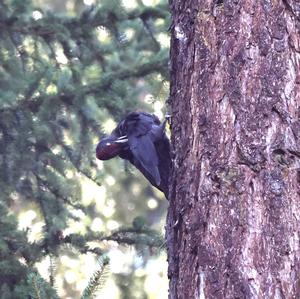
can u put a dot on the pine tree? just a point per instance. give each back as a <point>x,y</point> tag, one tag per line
<point>62,77</point>
<point>233,224</point>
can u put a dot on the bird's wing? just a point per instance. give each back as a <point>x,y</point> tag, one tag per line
<point>137,127</point>
<point>144,151</point>
<point>138,123</point>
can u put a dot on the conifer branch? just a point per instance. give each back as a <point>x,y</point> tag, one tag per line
<point>52,270</point>
<point>51,25</point>
<point>97,280</point>
<point>130,236</point>
<point>58,76</point>
<point>56,193</point>
<point>36,287</point>
<point>68,151</point>
<point>40,289</point>
<point>156,63</point>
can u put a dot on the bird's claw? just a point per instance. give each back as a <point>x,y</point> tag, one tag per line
<point>168,118</point>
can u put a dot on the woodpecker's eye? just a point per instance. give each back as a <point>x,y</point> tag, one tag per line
<point>108,143</point>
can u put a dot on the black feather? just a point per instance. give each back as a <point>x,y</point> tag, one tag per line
<point>143,149</point>
<point>148,147</point>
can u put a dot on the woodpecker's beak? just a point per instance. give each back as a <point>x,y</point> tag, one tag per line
<point>122,139</point>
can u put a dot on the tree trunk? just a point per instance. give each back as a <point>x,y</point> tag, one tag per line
<point>234,216</point>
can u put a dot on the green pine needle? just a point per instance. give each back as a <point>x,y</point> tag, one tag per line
<point>40,289</point>
<point>97,280</point>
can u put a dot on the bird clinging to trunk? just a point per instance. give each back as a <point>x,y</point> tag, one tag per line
<point>141,139</point>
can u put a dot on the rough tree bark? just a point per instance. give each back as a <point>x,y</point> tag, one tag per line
<point>234,216</point>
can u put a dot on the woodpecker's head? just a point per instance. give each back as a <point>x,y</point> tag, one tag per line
<point>110,147</point>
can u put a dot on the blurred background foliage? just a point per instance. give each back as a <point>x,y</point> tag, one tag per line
<point>70,70</point>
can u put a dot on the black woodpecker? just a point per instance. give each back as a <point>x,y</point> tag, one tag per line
<point>141,139</point>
